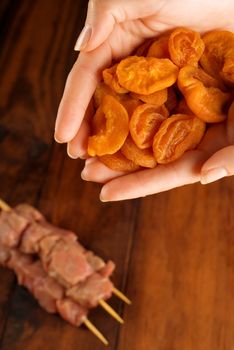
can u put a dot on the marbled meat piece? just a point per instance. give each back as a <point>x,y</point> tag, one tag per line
<point>33,235</point>
<point>68,264</point>
<point>28,212</point>
<point>20,263</point>
<point>108,269</point>
<point>91,291</point>
<point>31,275</point>
<point>12,227</point>
<point>45,289</point>
<point>95,261</point>
<point>47,244</point>
<point>71,311</point>
<point>4,255</point>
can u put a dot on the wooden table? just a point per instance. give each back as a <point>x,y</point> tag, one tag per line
<point>174,251</point>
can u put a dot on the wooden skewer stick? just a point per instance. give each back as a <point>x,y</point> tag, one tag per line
<point>4,205</point>
<point>110,311</point>
<point>121,296</point>
<point>95,331</point>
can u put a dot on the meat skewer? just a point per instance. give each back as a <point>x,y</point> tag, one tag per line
<point>31,275</point>
<point>83,277</point>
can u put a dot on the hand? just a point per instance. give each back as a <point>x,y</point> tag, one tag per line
<point>210,162</point>
<point>114,28</point>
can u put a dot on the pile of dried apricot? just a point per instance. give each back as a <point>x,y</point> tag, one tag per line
<point>153,106</point>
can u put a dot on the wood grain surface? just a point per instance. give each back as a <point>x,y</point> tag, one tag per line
<point>174,251</point>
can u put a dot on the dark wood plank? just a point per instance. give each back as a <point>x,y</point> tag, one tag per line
<point>182,271</point>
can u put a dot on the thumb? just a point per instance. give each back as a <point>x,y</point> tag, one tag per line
<point>102,16</point>
<point>219,165</point>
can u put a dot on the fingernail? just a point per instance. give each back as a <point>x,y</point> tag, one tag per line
<point>102,199</point>
<point>213,175</point>
<point>86,170</point>
<point>69,153</point>
<point>102,196</point>
<point>83,175</point>
<point>57,140</point>
<point>83,38</point>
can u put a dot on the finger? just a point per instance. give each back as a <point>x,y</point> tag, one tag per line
<point>77,147</point>
<point>219,165</point>
<point>102,16</point>
<point>164,177</point>
<point>96,171</point>
<point>79,89</point>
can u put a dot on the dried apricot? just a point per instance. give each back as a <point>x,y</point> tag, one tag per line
<point>127,101</point>
<point>110,79</point>
<point>142,157</point>
<point>118,162</point>
<point>145,122</point>
<point>130,104</point>
<point>159,48</point>
<point>218,57</point>
<point>202,94</point>
<point>145,75</point>
<point>186,47</point>
<point>102,90</point>
<point>176,135</point>
<point>110,128</point>
<point>157,98</point>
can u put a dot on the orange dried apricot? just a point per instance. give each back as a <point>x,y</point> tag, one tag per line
<point>145,75</point>
<point>176,135</point>
<point>102,90</point>
<point>110,79</point>
<point>127,101</point>
<point>202,94</point>
<point>118,162</point>
<point>157,98</point>
<point>186,47</point>
<point>218,57</point>
<point>130,104</point>
<point>142,157</point>
<point>110,128</point>
<point>145,122</point>
<point>159,48</point>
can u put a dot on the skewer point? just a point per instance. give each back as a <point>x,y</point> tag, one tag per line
<point>111,311</point>
<point>121,296</point>
<point>95,331</point>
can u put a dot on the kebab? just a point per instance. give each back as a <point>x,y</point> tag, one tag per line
<point>61,274</point>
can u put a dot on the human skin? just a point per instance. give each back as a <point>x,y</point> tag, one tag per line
<point>117,27</point>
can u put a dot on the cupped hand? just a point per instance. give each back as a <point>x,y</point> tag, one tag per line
<point>114,28</point>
